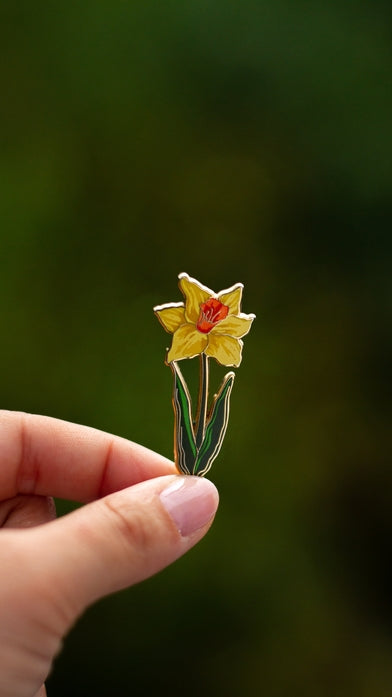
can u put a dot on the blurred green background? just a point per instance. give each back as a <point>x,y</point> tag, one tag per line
<point>237,141</point>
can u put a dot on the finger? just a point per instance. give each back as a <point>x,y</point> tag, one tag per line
<point>26,511</point>
<point>115,542</point>
<point>49,457</point>
<point>41,692</point>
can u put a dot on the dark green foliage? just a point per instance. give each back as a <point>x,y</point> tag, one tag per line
<point>216,427</point>
<point>191,458</point>
<point>184,435</point>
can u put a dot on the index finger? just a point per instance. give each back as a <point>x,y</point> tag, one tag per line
<point>49,457</point>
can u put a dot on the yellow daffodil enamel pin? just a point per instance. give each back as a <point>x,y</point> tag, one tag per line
<point>209,325</point>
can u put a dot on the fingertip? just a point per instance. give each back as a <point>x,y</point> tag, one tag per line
<point>191,502</point>
<point>122,538</point>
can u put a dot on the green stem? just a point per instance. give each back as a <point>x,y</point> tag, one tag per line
<point>202,403</point>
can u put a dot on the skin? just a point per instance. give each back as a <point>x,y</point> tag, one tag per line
<point>51,570</point>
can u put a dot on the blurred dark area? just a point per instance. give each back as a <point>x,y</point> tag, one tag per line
<point>236,142</point>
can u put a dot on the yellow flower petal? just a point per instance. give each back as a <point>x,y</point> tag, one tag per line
<point>232,298</point>
<point>225,349</point>
<point>234,326</point>
<point>171,316</point>
<point>187,343</point>
<point>195,294</point>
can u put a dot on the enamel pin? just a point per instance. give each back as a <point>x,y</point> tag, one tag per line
<point>208,325</point>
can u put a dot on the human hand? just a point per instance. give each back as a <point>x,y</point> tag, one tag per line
<point>140,516</point>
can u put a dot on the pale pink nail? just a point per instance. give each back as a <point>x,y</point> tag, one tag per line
<point>191,502</point>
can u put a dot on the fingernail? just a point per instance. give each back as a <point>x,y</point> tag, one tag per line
<point>191,502</point>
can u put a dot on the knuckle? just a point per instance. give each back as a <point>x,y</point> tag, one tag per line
<point>133,532</point>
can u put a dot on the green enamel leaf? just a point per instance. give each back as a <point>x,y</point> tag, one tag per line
<point>216,428</point>
<point>184,439</point>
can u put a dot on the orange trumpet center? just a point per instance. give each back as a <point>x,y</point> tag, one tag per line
<point>211,313</point>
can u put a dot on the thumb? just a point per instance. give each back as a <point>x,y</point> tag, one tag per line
<point>119,540</point>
